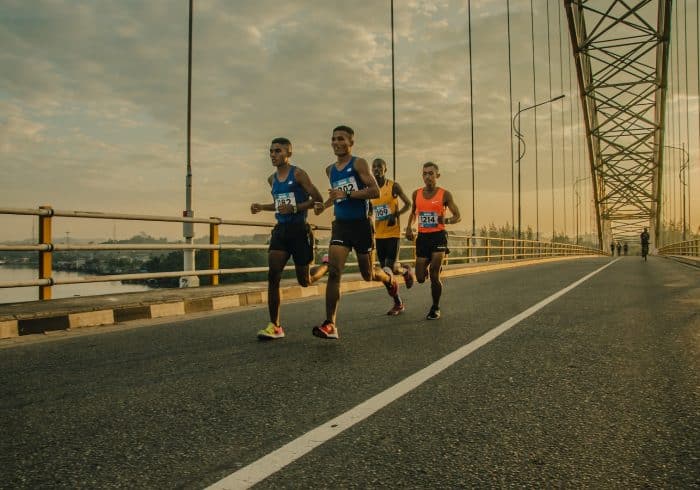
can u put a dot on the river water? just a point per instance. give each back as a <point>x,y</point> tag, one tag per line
<point>12,295</point>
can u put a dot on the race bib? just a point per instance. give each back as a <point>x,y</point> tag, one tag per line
<point>428,219</point>
<point>345,185</point>
<point>285,198</point>
<point>381,212</point>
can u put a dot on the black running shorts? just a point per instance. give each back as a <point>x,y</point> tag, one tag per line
<point>297,239</point>
<point>357,234</point>
<point>429,243</point>
<point>387,251</point>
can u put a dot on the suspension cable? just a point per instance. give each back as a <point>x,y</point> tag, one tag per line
<point>510,119</point>
<point>671,133</point>
<point>561,112</point>
<point>687,114</point>
<point>551,117</point>
<point>471,112</point>
<point>393,96</point>
<point>697,65</point>
<point>678,105</point>
<point>534,101</point>
<point>571,134</point>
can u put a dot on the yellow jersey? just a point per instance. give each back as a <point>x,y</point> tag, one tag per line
<point>384,207</point>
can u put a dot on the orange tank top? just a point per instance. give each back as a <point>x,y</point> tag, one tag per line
<point>428,211</point>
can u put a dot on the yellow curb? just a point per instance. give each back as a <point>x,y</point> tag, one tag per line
<point>293,292</point>
<point>256,297</point>
<point>310,291</point>
<point>9,329</point>
<point>167,309</point>
<point>90,318</point>
<point>222,302</point>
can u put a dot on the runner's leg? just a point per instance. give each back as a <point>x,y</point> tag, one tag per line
<point>276,260</point>
<point>435,283</point>
<point>337,255</point>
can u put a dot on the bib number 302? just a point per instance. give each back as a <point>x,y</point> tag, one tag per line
<point>345,185</point>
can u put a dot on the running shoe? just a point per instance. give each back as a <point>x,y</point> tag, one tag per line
<point>393,288</point>
<point>327,330</point>
<point>324,260</point>
<point>396,310</point>
<point>434,313</point>
<point>270,332</point>
<point>409,277</point>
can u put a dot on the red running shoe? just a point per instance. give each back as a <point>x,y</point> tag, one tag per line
<point>396,310</point>
<point>326,330</point>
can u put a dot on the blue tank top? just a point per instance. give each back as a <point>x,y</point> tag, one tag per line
<point>289,192</point>
<point>348,209</point>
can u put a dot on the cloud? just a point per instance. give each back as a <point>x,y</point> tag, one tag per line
<point>93,97</point>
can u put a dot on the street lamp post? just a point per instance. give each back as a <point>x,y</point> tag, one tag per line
<point>188,226</point>
<point>682,179</point>
<point>521,143</point>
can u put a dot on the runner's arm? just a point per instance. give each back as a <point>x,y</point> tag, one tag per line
<point>398,191</point>
<point>452,206</point>
<point>367,178</point>
<point>305,182</point>
<point>411,217</point>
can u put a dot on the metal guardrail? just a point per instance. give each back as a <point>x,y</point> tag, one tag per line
<point>463,248</point>
<point>688,248</point>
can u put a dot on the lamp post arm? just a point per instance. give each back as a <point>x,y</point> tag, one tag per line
<point>537,105</point>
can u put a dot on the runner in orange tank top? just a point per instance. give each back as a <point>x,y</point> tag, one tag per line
<point>429,204</point>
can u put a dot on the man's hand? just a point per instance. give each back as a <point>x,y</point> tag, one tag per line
<point>319,207</point>
<point>334,194</point>
<point>255,208</point>
<point>392,220</point>
<point>285,209</point>
<point>409,233</point>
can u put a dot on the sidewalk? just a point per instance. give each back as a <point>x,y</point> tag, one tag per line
<point>37,317</point>
<point>685,259</point>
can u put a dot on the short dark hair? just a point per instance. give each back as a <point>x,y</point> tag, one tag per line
<point>347,129</point>
<point>281,141</point>
<point>431,164</point>
<point>381,160</point>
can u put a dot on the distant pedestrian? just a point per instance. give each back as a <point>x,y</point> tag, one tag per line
<point>293,195</point>
<point>387,229</point>
<point>619,248</point>
<point>612,248</point>
<point>428,209</point>
<point>625,248</point>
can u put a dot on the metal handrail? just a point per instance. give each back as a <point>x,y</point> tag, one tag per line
<point>688,248</point>
<point>474,249</point>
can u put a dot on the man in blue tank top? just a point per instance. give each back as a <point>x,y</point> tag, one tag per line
<point>293,195</point>
<point>352,186</point>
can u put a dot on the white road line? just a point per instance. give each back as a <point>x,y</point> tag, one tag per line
<point>258,470</point>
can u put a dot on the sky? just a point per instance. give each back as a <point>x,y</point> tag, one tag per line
<point>93,106</point>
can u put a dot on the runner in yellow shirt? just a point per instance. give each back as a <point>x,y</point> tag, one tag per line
<point>387,230</point>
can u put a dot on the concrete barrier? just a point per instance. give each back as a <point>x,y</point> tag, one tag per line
<point>17,321</point>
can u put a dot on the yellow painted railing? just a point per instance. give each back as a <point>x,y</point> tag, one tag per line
<point>463,248</point>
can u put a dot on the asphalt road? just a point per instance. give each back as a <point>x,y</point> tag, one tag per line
<point>597,389</point>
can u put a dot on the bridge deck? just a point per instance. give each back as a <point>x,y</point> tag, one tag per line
<point>597,388</point>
